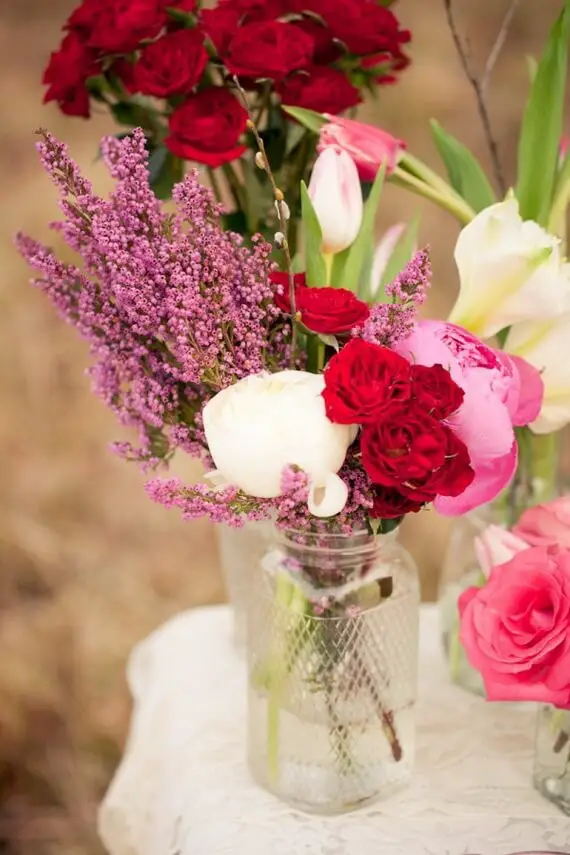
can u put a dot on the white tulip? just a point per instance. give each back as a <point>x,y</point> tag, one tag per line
<point>336,195</point>
<point>509,271</point>
<point>265,422</point>
<point>497,545</point>
<point>382,255</point>
<point>546,345</point>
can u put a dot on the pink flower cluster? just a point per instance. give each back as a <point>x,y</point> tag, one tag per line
<point>516,627</point>
<point>174,308</point>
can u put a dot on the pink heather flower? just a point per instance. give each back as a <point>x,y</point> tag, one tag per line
<point>173,307</point>
<point>546,525</point>
<point>516,628</point>
<point>369,147</point>
<point>495,400</point>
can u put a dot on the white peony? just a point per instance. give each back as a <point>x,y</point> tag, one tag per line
<point>509,271</point>
<point>266,422</point>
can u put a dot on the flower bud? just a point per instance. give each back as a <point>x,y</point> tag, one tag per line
<point>337,199</point>
<point>369,147</point>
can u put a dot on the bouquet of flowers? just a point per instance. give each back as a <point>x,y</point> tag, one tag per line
<point>516,629</point>
<point>167,66</point>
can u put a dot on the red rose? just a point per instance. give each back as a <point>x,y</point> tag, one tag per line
<point>389,504</point>
<point>319,88</point>
<point>435,391</point>
<point>83,19</point>
<point>207,128</point>
<point>412,452</point>
<point>179,5</point>
<point>281,298</point>
<point>268,49</point>
<point>363,26</point>
<point>330,310</point>
<point>326,49</point>
<point>173,65</point>
<point>66,73</point>
<point>363,381</point>
<point>119,26</point>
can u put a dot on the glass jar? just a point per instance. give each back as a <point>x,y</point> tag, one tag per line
<point>535,481</point>
<point>241,551</point>
<point>333,648</point>
<point>551,776</point>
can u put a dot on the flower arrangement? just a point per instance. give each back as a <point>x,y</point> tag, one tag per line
<point>167,67</point>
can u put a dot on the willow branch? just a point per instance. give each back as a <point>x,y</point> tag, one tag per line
<point>480,84</point>
<point>282,212</point>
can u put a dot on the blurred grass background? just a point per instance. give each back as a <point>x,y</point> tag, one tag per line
<point>88,565</point>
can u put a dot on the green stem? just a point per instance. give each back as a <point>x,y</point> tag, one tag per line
<point>315,354</point>
<point>236,187</point>
<point>456,206</point>
<point>412,165</point>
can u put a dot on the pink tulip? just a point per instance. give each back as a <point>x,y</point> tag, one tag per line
<point>336,195</point>
<point>516,628</point>
<point>546,525</point>
<point>563,147</point>
<point>369,147</point>
<point>495,400</point>
<point>495,546</point>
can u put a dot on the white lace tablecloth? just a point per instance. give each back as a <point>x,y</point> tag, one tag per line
<point>183,787</point>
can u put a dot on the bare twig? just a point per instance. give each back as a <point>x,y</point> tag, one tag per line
<point>480,84</point>
<point>282,212</point>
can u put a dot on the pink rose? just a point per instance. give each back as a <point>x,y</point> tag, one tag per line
<point>496,545</point>
<point>516,628</point>
<point>499,392</point>
<point>369,147</point>
<point>546,525</point>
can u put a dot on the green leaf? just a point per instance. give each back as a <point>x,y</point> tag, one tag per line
<point>532,66</point>
<point>330,340</point>
<point>401,254</point>
<point>465,174</point>
<point>165,170</point>
<point>295,134</point>
<point>309,118</point>
<point>236,222</point>
<point>353,270</point>
<point>542,125</point>
<point>315,270</point>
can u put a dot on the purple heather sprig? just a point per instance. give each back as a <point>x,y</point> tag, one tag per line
<point>174,308</point>
<point>392,322</point>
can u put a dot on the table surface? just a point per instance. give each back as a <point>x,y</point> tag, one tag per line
<point>183,787</point>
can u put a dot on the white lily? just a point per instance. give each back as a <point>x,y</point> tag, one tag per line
<point>510,271</point>
<point>546,345</point>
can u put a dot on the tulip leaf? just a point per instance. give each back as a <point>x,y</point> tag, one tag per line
<point>542,125</point>
<point>309,118</point>
<point>465,174</point>
<point>315,271</point>
<point>351,270</point>
<point>401,255</point>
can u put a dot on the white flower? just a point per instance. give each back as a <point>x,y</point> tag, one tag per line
<point>336,195</point>
<point>265,422</point>
<point>382,255</point>
<point>546,345</point>
<point>497,545</point>
<point>509,271</point>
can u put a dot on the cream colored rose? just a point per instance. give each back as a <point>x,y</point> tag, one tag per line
<point>266,422</point>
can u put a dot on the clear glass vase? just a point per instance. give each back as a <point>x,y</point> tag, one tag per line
<point>551,776</point>
<point>535,481</point>
<point>332,652</point>
<point>241,551</point>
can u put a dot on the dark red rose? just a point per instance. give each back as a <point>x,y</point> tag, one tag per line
<point>363,381</point>
<point>332,311</point>
<point>119,26</point>
<point>389,504</point>
<point>124,70</point>
<point>221,24</point>
<point>83,19</point>
<point>66,73</point>
<point>172,65</point>
<point>435,391</point>
<point>179,5</point>
<point>327,50</point>
<point>207,128</point>
<point>453,478</point>
<point>383,66</point>
<point>404,447</point>
<point>281,298</point>
<point>319,88</point>
<point>363,26</point>
<point>268,49</point>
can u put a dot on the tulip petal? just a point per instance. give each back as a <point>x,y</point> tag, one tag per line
<point>328,500</point>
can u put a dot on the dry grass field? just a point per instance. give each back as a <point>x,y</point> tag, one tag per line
<point>87,565</point>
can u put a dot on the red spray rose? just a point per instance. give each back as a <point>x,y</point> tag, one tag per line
<point>282,300</point>
<point>435,391</point>
<point>331,311</point>
<point>326,49</point>
<point>66,73</point>
<point>268,49</point>
<point>173,65</point>
<point>119,26</point>
<point>389,504</point>
<point>221,24</point>
<point>319,88</point>
<point>207,127</point>
<point>179,5</point>
<point>363,381</point>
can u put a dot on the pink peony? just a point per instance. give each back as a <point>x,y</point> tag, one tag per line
<point>499,392</point>
<point>516,628</point>
<point>369,147</point>
<point>546,525</point>
<point>496,545</point>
